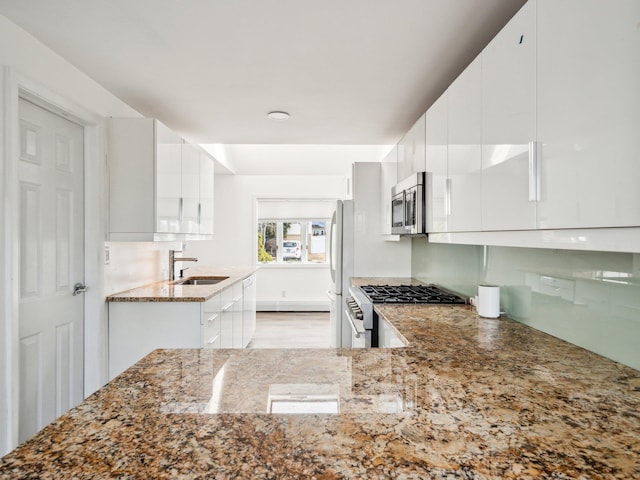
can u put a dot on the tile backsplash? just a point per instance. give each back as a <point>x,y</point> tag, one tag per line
<point>591,299</point>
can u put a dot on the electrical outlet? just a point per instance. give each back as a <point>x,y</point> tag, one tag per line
<point>107,255</point>
<point>284,293</point>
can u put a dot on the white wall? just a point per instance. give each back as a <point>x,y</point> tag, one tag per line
<point>234,242</point>
<point>26,62</point>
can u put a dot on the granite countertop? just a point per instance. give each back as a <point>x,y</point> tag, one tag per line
<point>468,398</point>
<point>166,291</point>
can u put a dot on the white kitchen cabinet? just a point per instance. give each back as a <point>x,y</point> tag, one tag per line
<point>588,113</point>
<point>238,316</point>
<point>155,181</point>
<point>138,328</point>
<point>388,178</point>
<point>411,150</point>
<point>388,337</point>
<point>205,209</point>
<point>212,322</point>
<point>248,309</point>
<point>226,318</point>
<point>508,125</point>
<point>436,150</point>
<point>464,132</point>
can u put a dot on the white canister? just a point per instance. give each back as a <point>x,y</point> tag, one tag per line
<point>488,301</point>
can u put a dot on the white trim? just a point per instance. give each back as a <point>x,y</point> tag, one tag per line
<point>14,86</point>
<point>292,305</point>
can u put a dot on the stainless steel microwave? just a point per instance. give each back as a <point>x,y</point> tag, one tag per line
<point>408,206</point>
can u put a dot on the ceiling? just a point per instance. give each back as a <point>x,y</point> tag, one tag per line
<point>350,72</point>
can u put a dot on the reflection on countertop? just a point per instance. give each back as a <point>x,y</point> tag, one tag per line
<point>467,398</point>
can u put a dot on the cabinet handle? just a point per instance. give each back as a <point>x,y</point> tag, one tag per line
<point>212,318</point>
<point>180,210</point>
<point>534,172</point>
<point>447,196</point>
<point>227,306</point>
<point>199,213</point>
<point>213,340</point>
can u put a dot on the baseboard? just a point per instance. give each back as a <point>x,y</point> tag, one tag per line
<point>292,306</point>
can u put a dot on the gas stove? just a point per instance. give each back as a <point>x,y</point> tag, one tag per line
<point>422,294</point>
<point>363,319</point>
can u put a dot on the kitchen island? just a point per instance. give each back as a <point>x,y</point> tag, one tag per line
<point>468,398</point>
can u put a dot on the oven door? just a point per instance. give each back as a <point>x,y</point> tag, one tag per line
<point>358,332</point>
<point>397,213</point>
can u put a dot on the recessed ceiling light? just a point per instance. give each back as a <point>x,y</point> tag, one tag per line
<point>279,116</point>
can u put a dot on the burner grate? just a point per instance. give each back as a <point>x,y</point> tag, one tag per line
<point>423,294</point>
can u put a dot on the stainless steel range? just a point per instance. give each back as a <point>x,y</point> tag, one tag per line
<point>364,320</point>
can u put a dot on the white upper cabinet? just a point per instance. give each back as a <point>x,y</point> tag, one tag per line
<point>159,185</point>
<point>588,113</point>
<point>508,125</point>
<point>388,178</point>
<point>411,150</point>
<point>205,207</point>
<point>464,102</point>
<point>436,163</point>
<point>168,168</point>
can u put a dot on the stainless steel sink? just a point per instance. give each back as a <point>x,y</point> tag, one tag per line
<point>200,280</point>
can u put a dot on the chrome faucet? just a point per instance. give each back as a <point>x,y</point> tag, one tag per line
<point>172,262</point>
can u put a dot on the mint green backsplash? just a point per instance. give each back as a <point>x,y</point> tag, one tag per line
<point>591,299</point>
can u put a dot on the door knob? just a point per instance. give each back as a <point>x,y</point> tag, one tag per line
<point>79,288</point>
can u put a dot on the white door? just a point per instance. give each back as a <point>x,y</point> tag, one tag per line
<point>51,175</point>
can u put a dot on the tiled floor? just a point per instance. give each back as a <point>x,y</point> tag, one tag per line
<point>291,330</point>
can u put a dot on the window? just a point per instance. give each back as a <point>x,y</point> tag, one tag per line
<point>292,241</point>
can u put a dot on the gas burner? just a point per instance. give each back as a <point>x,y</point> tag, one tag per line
<point>418,294</point>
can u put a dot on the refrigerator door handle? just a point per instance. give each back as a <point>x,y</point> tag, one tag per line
<point>332,247</point>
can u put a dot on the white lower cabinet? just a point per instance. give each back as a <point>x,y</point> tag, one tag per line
<point>138,328</point>
<point>388,337</point>
<point>248,309</point>
<point>212,322</point>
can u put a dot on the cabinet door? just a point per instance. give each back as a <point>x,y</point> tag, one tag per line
<point>190,188</point>
<point>237,316</point>
<point>168,186</point>
<point>205,208</point>
<point>464,100</point>
<point>226,318</point>
<point>588,114</point>
<point>249,309</point>
<point>508,125</point>
<point>211,322</point>
<point>436,163</point>
<point>411,150</point>
<point>388,178</point>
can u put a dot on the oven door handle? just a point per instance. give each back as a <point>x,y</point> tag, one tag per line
<point>353,326</point>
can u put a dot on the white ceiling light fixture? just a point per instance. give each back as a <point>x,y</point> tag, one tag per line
<point>278,116</point>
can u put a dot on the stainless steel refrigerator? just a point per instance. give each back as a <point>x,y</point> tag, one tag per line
<point>357,247</point>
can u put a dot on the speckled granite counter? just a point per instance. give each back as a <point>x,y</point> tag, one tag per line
<point>469,398</point>
<point>166,291</point>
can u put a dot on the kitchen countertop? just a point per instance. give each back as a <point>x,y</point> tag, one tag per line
<point>166,291</point>
<point>469,398</point>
